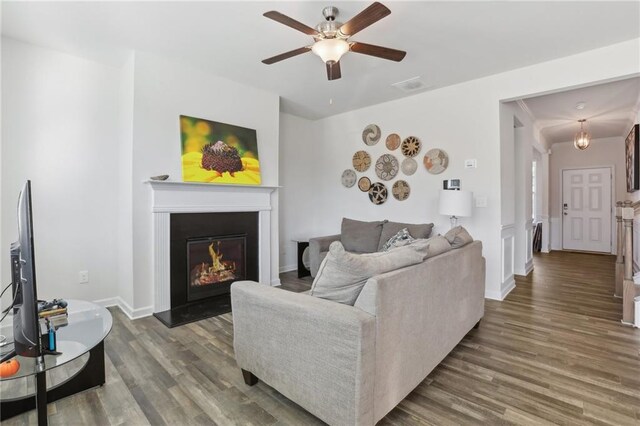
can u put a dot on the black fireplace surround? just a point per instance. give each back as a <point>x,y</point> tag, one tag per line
<point>213,299</point>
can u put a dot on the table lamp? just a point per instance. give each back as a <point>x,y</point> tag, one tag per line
<point>455,204</point>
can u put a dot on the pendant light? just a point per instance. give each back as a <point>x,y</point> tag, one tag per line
<point>583,138</point>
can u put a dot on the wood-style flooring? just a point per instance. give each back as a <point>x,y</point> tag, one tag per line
<point>553,352</point>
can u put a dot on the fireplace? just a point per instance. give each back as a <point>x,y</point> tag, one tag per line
<point>208,252</point>
<point>174,207</point>
<point>213,264</point>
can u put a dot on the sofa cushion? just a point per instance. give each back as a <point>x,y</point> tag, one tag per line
<point>342,274</point>
<point>458,237</point>
<point>417,231</point>
<point>361,237</point>
<point>437,245</point>
<point>402,238</point>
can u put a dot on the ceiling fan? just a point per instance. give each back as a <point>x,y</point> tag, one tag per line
<point>331,38</point>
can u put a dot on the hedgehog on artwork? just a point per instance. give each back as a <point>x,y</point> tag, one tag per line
<point>221,158</point>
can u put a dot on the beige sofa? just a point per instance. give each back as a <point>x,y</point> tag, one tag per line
<point>351,365</point>
<point>362,237</point>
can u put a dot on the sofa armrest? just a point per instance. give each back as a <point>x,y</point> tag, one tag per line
<point>316,352</point>
<point>318,247</point>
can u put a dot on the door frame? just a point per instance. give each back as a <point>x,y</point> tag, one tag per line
<point>612,167</point>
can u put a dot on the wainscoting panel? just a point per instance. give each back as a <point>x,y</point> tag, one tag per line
<point>507,235</point>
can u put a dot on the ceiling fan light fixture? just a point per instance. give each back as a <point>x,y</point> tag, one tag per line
<point>582,139</point>
<point>330,49</point>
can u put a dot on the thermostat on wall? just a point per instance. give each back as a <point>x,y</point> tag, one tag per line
<point>470,164</point>
<point>451,184</point>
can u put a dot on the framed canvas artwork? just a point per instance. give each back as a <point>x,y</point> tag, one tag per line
<point>216,152</point>
<point>632,146</point>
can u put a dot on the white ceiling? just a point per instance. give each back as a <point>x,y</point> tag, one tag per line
<point>609,109</point>
<point>447,42</point>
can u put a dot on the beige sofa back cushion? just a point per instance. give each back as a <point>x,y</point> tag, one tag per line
<point>342,274</point>
<point>458,237</point>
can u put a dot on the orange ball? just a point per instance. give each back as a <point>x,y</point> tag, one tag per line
<point>9,368</point>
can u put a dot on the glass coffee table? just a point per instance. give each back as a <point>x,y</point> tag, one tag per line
<point>89,324</point>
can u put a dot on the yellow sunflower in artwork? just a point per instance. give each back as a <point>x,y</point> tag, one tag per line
<point>218,153</point>
<point>192,171</point>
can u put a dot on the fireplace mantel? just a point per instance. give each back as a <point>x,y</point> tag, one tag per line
<point>170,197</point>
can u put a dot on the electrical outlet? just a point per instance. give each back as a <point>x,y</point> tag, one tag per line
<point>83,277</point>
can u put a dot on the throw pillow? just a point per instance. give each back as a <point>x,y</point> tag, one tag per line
<point>458,237</point>
<point>342,274</point>
<point>389,229</point>
<point>402,238</point>
<point>360,237</point>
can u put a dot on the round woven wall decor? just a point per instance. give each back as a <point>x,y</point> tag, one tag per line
<point>371,134</point>
<point>348,178</point>
<point>378,193</point>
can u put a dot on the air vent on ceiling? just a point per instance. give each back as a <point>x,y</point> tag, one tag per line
<point>411,85</point>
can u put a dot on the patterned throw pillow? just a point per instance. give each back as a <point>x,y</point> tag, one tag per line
<point>402,238</point>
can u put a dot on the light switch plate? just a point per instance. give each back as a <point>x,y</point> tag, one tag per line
<point>481,201</point>
<point>471,164</point>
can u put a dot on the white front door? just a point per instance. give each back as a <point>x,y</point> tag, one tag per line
<point>586,209</point>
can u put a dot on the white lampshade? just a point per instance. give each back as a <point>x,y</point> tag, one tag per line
<point>456,203</point>
<point>330,49</point>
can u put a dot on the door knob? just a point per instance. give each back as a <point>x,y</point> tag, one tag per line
<point>566,214</point>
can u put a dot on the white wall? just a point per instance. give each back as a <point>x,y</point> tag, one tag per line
<point>61,129</point>
<point>163,90</point>
<point>298,149</point>
<point>516,144</point>
<point>601,152</point>
<point>125,179</point>
<point>88,135</point>
<point>465,121</point>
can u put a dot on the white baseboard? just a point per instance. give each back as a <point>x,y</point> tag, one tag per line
<point>507,287</point>
<point>276,282</point>
<point>125,307</point>
<point>528,267</point>
<point>288,268</point>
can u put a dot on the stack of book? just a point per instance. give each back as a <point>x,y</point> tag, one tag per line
<point>56,318</point>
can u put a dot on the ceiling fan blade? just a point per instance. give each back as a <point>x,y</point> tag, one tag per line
<point>286,55</point>
<point>378,51</point>
<point>362,20</point>
<point>290,22</point>
<point>333,70</point>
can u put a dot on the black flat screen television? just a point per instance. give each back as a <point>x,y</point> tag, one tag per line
<point>26,330</point>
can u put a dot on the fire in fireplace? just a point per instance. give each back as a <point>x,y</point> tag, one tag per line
<point>214,263</point>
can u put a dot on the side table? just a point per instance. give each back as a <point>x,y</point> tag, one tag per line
<point>89,324</point>
<point>303,244</point>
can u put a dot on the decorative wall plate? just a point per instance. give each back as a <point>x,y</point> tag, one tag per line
<point>387,167</point>
<point>348,178</point>
<point>401,190</point>
<point>409,166</point>
<point>364,183</point>
<point>410,146</point>
<point>378,193</point>
<point>436,161</point>
<point>371,134</point>
<point>393,141</point>
<point>361,161</point>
